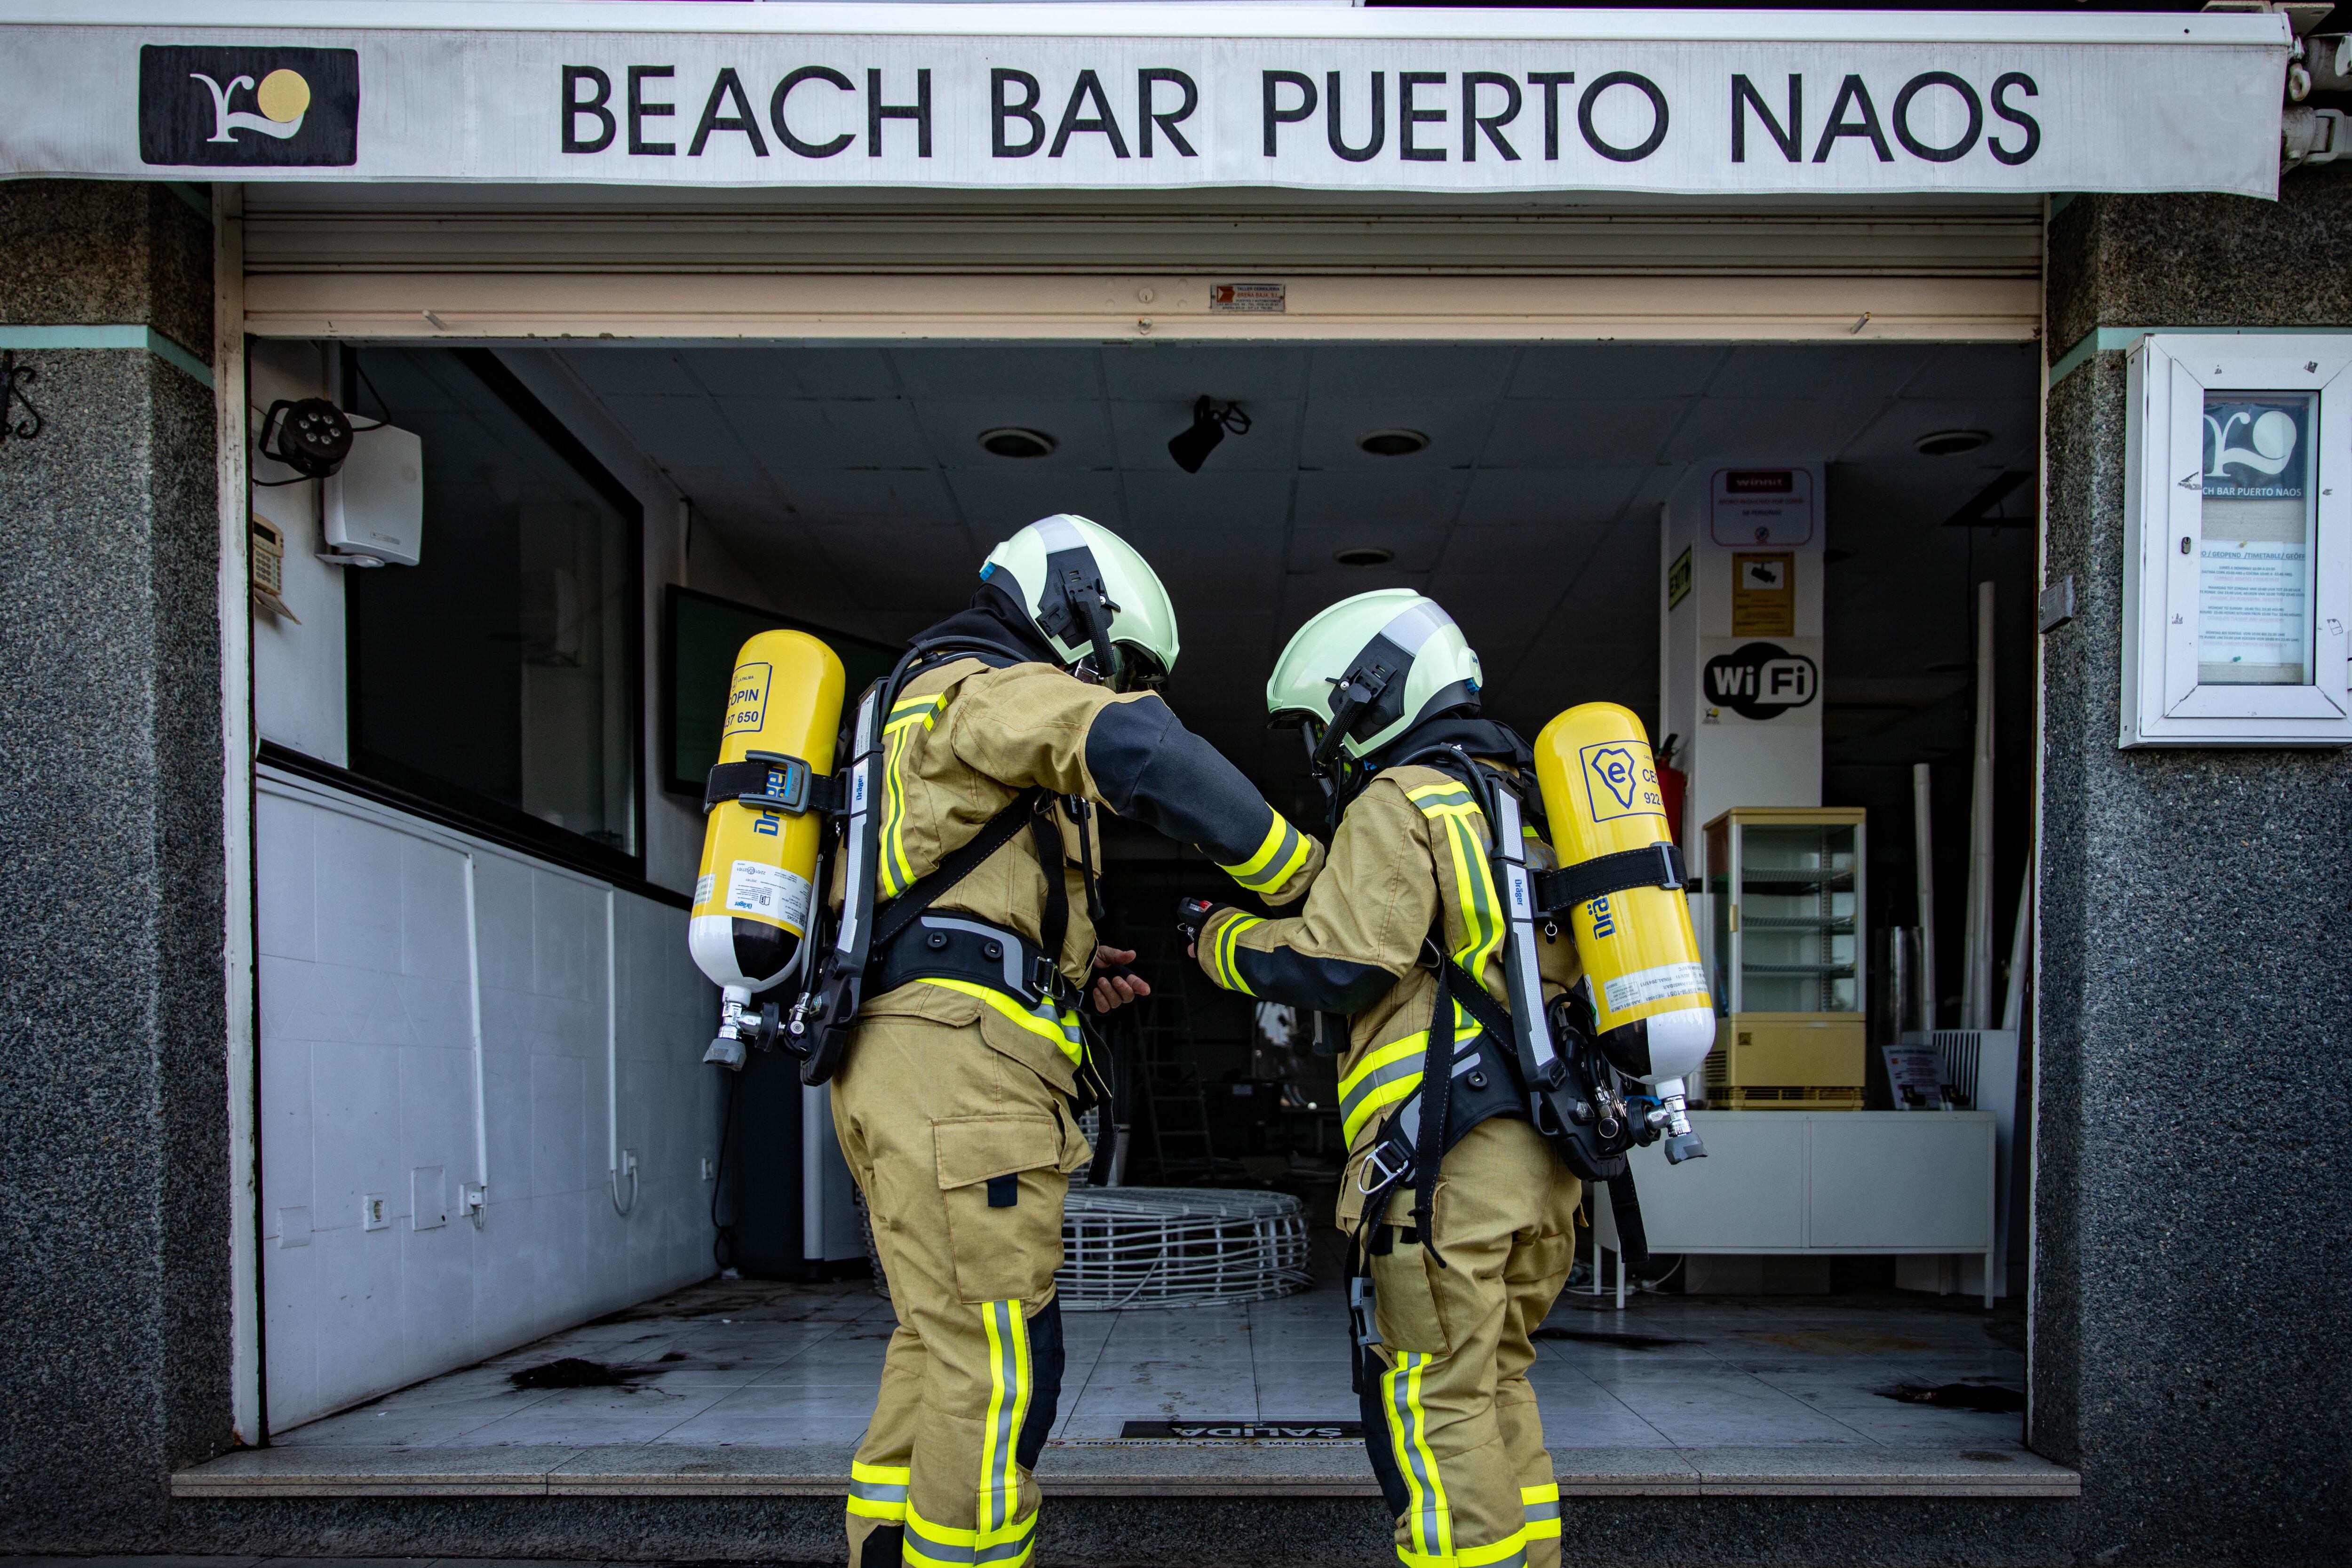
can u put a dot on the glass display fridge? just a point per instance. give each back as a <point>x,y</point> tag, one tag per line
<point>1786,892</point>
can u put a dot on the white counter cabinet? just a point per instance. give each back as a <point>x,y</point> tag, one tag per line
<point>1821,1182</point>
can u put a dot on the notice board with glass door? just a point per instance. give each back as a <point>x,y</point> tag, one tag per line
<point>2238,564</point>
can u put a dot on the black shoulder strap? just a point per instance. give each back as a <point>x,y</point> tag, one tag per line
<point>900,911</point>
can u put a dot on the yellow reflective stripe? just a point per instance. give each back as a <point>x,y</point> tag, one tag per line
<point>1440,794</point>
<point>1511,1551</point>
<point>1275,861</point>
<point>1224,954</point>
<point>1008,1406</point>
<point>1386,1075</point>
<point>928,1545</point>
<point>1430,1521</point>
<point>878,1491</point>
<point>893,873</point>
<point>1058,1024</point>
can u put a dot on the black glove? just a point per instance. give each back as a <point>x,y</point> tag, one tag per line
<point>1192,915</point>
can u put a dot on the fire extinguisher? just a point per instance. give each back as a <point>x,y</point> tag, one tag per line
<point>1671,783</point>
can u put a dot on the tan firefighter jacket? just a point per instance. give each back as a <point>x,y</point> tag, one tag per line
<point>963,740</point>
<point>1413,843</point>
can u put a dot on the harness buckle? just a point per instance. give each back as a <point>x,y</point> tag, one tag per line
<point>1669,866</point>
<point>1043,978</point>
<point>1375,1163</point>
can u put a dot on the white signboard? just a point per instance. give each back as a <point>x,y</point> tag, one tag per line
<point>1144,97</point>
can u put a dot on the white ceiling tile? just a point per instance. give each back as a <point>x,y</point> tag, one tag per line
<point>1513,497</point>
<point>1999,372</point>
<point>1179,504</point>
<point>1179,372</point>
<point>1813,370</point>
<point>1230,572</point>
<point>788,435</point>
<point>1143,430</point>
<point>1416,544</point>
<point>1441,371</point>
<point>884,496</point>
<point>1080,429</point>
<point>1456,429</point>
<point>903,565</point>
<point>1891,438</point>
<point>1392,494</point>
<point>632,373</point>
<point>683,432</point>
<point>1530,434</point>
<point>1573,372</point>
<point>1009,371</point>
<point>997,500</point>
<point>796,371</point>
<point>1781,429</point>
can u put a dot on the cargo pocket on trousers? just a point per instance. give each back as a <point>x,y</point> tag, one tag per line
<point>1004,1198</point>
<point>1404,1288</point>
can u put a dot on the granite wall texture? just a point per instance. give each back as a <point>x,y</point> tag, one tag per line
<point>2194,1252</point>
<point>114,1224</point>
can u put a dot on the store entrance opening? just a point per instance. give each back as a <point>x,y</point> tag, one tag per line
<point>1635,524</point>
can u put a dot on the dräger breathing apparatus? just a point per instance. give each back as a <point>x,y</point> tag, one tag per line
<point>811,815</point>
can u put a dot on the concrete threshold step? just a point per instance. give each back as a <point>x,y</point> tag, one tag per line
<point>1111,1470</point>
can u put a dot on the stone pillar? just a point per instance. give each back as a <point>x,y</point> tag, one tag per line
<point>116,1290</point>
<point>2193,1252</point>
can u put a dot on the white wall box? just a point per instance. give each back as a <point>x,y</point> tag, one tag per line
<point>2238,541</point>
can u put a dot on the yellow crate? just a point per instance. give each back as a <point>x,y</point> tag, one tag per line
<point>1787,1061</point>
<point>1767,1098</point>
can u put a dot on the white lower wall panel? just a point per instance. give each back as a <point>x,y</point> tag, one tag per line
<point>368,1087</point>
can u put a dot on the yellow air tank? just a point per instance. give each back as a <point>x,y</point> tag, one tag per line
<point>751,901</point>
<point>1650,992</point>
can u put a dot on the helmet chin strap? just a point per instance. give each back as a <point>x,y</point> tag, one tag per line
<point>1358,689</point>
<point>1092,607</point>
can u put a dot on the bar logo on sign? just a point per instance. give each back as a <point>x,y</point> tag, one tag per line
<point>248,108</point>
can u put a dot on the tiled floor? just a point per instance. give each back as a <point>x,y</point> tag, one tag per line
<point>744,1362</point>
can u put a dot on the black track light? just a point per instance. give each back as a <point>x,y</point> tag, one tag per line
<point>1212,420</point>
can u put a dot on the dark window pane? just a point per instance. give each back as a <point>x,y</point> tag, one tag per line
<point>500,672</point>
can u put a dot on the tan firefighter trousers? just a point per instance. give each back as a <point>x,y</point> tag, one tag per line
<point>1449,1419</point>
<point>962,1152</point>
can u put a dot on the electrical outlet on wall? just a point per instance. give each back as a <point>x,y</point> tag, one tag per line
<point>375,1213</point>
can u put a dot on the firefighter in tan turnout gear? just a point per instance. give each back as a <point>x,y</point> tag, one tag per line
<point>1463,1266</point>
<point>961,1050</point>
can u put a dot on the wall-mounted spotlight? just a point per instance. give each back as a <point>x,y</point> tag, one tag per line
<point>1949,443</point>
<point>1211,422</point>
<point>1014,442</point>
<point>1364,556</point>
<point>1392,443</point>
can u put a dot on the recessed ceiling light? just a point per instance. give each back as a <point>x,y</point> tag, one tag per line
<point>1949,443</point>
<point>1364,556</point>
<point>1014,442</point>
<point>1392,443</point>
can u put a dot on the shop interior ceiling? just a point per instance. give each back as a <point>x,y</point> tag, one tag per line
<point>852,483</point>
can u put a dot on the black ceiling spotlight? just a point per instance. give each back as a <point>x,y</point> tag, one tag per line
<point>1392,443</point>
<point>1014,442</point>
<point>1212,421</point>
<point>1949,443</point>
<point>1364,556</point>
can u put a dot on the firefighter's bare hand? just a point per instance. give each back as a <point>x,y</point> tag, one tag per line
<point>1117,989</point>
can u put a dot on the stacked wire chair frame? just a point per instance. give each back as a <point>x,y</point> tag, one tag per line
<point>1178,1247</point>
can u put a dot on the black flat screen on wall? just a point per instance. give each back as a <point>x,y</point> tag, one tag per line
<point>702,634</point>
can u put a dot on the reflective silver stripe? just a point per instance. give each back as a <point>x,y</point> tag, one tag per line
<point>1536,1510</point>
<point>877,1491</point>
